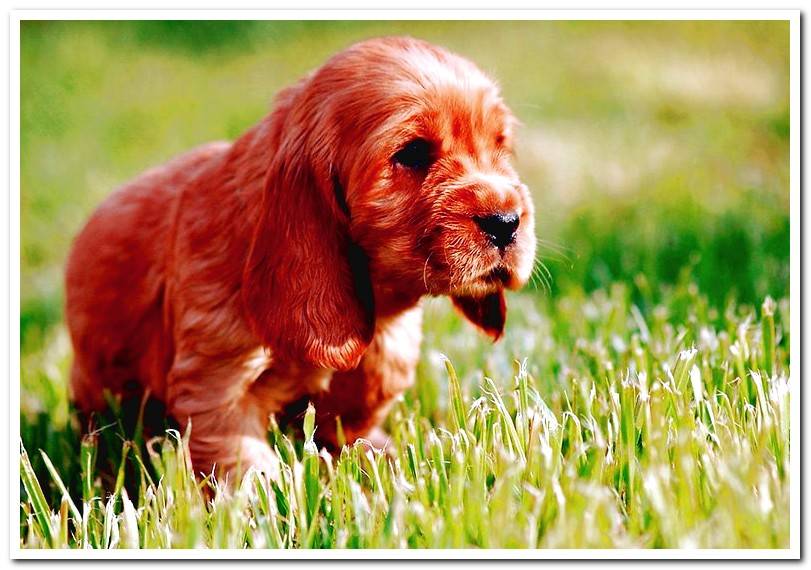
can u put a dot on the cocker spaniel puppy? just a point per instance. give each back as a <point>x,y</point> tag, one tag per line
<point>242,277</point>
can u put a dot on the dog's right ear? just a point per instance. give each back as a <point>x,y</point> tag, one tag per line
<point>304,284</point>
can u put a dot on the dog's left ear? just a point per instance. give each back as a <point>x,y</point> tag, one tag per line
<point>489,313</point>
<point>305,289</point>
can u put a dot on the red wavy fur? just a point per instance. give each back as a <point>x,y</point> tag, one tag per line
<point>242,277</point>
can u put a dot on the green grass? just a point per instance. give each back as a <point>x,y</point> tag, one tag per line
<point>640,395</point>
<point>617,430</point>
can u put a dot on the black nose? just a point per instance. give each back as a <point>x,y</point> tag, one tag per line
<point>499,228</point>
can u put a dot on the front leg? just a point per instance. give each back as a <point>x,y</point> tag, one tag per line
<point>228,422</point>
<point>361,401</point>
<point>363,397</point>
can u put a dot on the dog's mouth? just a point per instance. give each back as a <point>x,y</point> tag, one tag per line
<point>490,281</point>
<point>498,277</point>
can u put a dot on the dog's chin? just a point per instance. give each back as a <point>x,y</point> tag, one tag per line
<point>480,273</point>
<point>490,281</point>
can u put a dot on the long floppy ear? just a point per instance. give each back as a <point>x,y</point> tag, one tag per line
<point>488,313</point>
<point>305,287</point>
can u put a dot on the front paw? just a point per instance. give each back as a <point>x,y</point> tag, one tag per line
<point>230,458</point>
<point>378,439</point>
<point>255,454</point>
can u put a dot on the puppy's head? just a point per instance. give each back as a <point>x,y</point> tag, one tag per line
<point>409,147</point>
<point>424,162</point>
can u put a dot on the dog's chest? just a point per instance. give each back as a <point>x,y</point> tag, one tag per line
<point>390,359</point>
<point>395,348</point>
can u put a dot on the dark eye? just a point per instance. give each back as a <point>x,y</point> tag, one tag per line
<point>416,155</point>
<point>500,140</point>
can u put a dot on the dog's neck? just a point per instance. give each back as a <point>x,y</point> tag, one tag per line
<point>392,301</point>
<point>383,298</point>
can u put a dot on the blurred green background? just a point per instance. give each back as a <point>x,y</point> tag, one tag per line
<point>656,151</point>
<point>657,154</point>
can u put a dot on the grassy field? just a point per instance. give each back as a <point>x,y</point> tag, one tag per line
<point>640,396</point>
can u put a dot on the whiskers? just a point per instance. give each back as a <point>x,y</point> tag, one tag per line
<point>541,276</point>
<point>425,272</point>
<point>558,252</point>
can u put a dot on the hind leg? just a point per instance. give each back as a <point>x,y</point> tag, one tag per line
<point>86,390</point>
<point>92,392</point>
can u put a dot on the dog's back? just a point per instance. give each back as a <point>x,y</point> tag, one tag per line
<point>116,279</point>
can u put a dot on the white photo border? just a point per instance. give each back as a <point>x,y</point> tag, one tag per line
<point>13,292</point>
